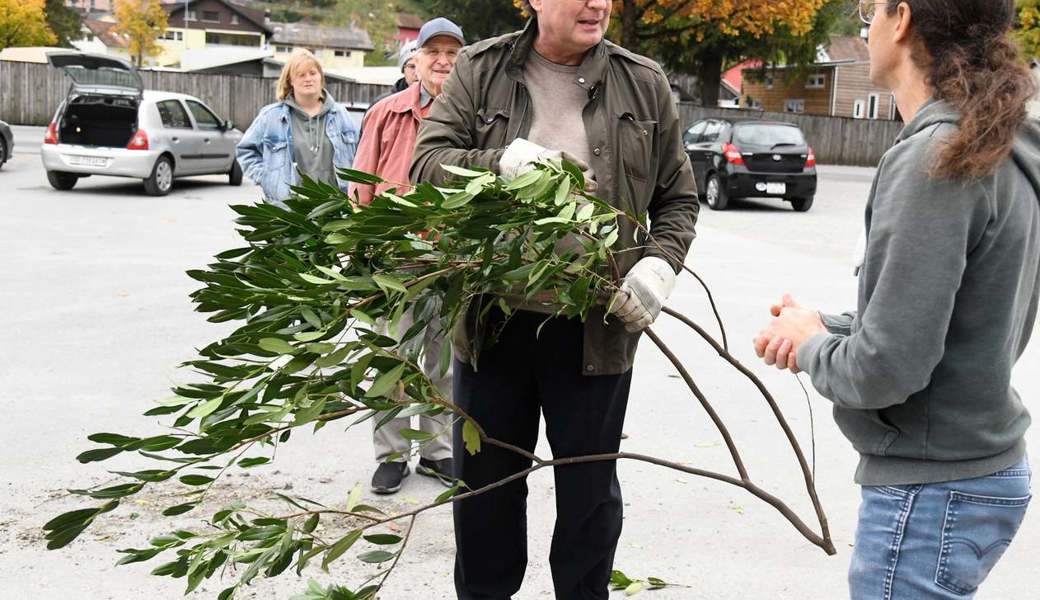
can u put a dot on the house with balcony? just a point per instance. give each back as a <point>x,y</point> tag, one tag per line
<point>837,85</point>
<point>338,49</point>
<point>211,26</point>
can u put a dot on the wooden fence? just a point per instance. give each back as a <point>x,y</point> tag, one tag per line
<point>836,140</point>
<point>31,92</point>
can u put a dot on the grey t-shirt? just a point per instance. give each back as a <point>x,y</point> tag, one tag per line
<point>558,102</point>
<point>312,152</point>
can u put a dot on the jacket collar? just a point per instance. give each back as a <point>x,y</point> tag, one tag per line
<point>590,73</point>
<point>407,100</point>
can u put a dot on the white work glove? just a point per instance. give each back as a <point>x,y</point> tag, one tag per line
<point>521,155</point>
<point>644,290</point>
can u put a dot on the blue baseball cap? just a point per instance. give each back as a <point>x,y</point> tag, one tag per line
<point>436,27</point>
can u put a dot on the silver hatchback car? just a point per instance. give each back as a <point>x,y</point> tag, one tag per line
<point>109,125</point>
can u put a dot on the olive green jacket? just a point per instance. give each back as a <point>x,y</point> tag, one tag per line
<point>636,148</point>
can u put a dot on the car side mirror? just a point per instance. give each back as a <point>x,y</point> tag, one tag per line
<point>228,125</point>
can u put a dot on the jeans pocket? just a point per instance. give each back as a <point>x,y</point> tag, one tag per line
<point>976,532</point>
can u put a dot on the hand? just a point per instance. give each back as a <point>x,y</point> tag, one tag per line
<point>639,299</point>
<point>521,155</point>
<point>778,344</point>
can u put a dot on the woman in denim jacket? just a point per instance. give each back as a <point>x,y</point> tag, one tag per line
<point>304,132</point>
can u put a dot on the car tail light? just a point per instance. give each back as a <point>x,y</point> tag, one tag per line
<point>51,137</point>
<point>139,141</point>
<point>810,161</point>
<point>732,155</point>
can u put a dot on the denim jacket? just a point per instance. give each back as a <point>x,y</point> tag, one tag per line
<point>265,152</point>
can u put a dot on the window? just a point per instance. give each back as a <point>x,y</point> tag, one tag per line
<point>173,114</point>
<point>769,82</point>
<point>283,49</point>
<point>754,103</point>
<point>711,132</point>
<point>340,53</point>
<point>858,109</point>
<point>794,105</point>
<point>234,19</point>
<point>211,16</point>
<point>189,15</point>
<point>204,117</point>
<point>693,134</point>
<point>873,104</point>
<point>817,81</point>
<point>175,36</point>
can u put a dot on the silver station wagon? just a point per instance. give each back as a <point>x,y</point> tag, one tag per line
<point>109,125</point>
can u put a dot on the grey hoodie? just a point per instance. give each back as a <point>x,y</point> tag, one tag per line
<point>920,374</point>
<point>312,151</point>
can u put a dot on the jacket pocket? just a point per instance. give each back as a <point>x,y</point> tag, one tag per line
<point>276,153</point>
<point>635,144</point>
<point>491,127</point>
<point>868,432</point>
<point>976,532</point>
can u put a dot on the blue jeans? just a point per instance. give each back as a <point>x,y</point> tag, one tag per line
<point>936,540</point>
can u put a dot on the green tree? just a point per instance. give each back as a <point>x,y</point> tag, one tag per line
<point>479,19</point>
<point>1029,27</point>
<point>142,21</point>
<point>24,23</point>
<point>379,19</point>
<point>64,22</point>
<point>703,36</point>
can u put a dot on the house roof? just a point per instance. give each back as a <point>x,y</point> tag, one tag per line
<point>254,16</point>
<point>733,79</point>
<point>102,30</point>
<point>409,21</point>
<point>311,36</point>
<point>844,48</point>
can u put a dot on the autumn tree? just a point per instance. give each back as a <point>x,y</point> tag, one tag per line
<point>143,22</point>
<point>1029,27</point>
<point>63,21</point>
<point>480,19</point>
<point>701,36</point>
<point>24,23</point>
<point>379,19</point>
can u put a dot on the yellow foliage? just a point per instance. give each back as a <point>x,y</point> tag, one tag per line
<point>143,22</point>
<point>1029,27</point>
<point>736,17</point>
<point>24,23</point>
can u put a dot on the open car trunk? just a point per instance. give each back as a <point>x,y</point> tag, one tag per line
<point>101,105</point>
<point>92,120</point>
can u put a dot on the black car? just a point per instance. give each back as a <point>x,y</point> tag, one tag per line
<point>749,158</point>
<point>6,143</point>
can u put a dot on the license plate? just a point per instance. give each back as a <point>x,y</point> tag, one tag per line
<point>776,188</point>
<point>88,161</point>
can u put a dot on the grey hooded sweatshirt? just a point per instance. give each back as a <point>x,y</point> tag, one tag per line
<point>920,375</point>
<point>312,151</point>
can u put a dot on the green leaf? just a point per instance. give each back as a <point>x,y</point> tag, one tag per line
<point>524,180</point>
<point>316,280</point>
<point>461,172</point>
<point>385,382</point>
<point>449,494</point>
<point>276,345</point>
<point>470,437</point>
<point>457,200</point>
<point>562,192</point>
<point>376,556</point>
<point>354,497</point>
<point>179,509</point>
<point>334,359</point>
<point>205,409</point>
<point>195,479</point>
<point>585,213</point>
<point>619,580</point>
<point>388,282</point>
<point>359,176</point>
<point>113,439</point>
<point>415,435</point>
<point>98,455</point>
<point>383,539</point>
<point>341,546</point>
<point>312,523</point>
<point>634,588</point>
<point>246,463</point>
<point>656,583</point>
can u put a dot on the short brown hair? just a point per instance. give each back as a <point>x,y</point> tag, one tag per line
<point>300,58</point>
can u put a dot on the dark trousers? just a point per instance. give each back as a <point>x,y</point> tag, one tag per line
<point>517,377</point>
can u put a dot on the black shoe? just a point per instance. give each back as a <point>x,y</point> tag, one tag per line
<point>441,469</point>
<point>388,477</point>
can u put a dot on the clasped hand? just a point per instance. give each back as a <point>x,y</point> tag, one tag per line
<point>791,327</point>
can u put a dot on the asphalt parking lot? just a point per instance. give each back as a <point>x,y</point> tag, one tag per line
<point>97,318</point>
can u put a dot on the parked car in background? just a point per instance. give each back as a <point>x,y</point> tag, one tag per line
<point>734,158</point>
<point>109,125</point>
<point>357,111</point>
<point>6,143</point>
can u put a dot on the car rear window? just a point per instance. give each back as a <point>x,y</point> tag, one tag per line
<point>173,114</point>
<point>761,134</point>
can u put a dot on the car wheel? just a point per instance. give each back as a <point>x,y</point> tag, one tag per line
<point>235,176</point>
<point>715,193</point>
<point>802,204</point>
<point>62,181</point>
<point>3,152</point>
<point>160,182</point>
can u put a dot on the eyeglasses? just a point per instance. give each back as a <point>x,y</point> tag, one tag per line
<point>434,52</point>
<point>868,9</point>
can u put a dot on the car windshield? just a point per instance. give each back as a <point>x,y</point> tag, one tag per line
<point>763,134</point>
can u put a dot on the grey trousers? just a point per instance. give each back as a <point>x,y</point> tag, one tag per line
<point>387,439</point>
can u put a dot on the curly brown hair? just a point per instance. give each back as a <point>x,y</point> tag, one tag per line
<point>972,63</point>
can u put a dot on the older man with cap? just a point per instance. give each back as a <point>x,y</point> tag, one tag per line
<point>387,142</point>
<point>558,87</point>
